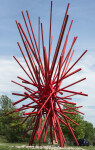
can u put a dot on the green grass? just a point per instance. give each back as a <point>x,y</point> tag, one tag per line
<point>4,145</point>
<point>12,148</point>
<point>8,146</point>
<point>86,147</point>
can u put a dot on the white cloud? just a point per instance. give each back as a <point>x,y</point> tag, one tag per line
<point>9,70</point>
<point>88,70</point>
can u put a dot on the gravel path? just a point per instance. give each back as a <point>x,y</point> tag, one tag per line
<point>49,147</point>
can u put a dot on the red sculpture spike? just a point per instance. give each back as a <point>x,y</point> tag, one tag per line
<point>46,80</point>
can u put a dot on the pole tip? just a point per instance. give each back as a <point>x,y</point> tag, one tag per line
<point>27,11</point>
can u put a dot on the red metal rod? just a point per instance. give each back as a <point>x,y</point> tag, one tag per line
<point>28,31</point>
<point>58,73</point>
<point>58,47</point>
<point>32,29</point>
<point>18,94</point>
<point>44,123</point>
<point>72,132</point>
<point>74,108</point>
<point>20,27</point>
<point>25,60</point>
<point>60,38</point>
<point>22,67</point>
<point>68,55</point>
<point>38,50</point>
<point>67,117</point>
<point>50,33</point>
<point>79,93</point>
<point>64,77</point>
<point>69,61</point>
<point>75,62</point>
<point>35,41</point>
<point>25,81</point>
<point>63,50</point>
<point>39,36</point>
<point>20,85</point>
<point>29,127</point>
<point>45,102</point>
<point>74,83</point>
<point>20,100</point>
<point>31,61</point>
<point>66,102</point>
<point>49,102</point>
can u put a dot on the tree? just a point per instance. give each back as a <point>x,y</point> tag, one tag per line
<point>5,103</point>
<point>10,127</point>
<point>89,131</point>
<point>79,130</point>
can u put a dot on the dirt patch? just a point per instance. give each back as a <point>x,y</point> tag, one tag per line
<point>49,147</point>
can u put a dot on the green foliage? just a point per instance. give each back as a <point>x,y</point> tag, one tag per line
<point>5,103</point>
<point>84,130</point>
<point>89,131</point>
<point>12,129</point>
<point>79,130</point>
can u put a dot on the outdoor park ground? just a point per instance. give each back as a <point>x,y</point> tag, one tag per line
<point>4,145</point>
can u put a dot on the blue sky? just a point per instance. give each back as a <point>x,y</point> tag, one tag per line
<point>83,14</point>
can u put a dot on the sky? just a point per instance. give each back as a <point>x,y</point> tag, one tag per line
<point>82,12</point>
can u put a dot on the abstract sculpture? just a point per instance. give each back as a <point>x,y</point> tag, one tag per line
<point>45,78</point>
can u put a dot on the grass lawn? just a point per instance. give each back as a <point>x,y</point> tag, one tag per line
<point>4,145</point>
<point>8,146</point>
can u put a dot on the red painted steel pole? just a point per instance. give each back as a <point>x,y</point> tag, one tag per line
<point>49,102</point>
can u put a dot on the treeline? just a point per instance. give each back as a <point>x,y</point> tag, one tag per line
<point>15,129</point>
<point>84,130</point>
